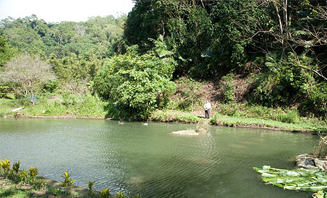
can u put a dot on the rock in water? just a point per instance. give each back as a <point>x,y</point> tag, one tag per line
<point>185,132</point>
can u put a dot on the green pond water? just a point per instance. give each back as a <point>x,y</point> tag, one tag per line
<point>149,160</point>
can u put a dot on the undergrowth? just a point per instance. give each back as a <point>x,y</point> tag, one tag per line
<point>87,106</point>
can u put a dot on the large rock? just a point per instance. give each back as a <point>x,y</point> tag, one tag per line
<point>308,161</point>
<point>185,132</point>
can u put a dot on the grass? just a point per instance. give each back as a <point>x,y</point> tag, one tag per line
<point>23,184</point>
<point>175,116</point>
<point>237,115</point>
<point>224,120</point>
<point>88,106</point>
<point>14,187</point>
<point>233,114</point>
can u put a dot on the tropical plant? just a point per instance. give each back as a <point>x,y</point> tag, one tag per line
<point>68,182</point>
<point>24,177</point>
<point>33,171</point>
<point>5,165</point>
<point>16,166</point>
<point>104,193</point>
<point>297,179</point>
<point>120,195</point>
<point>90,186</point>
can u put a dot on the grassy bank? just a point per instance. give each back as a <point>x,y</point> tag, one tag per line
<point>302,124</point>
<point>232,115</point>
<point>86,106</point>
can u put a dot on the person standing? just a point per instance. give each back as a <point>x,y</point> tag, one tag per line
<point>207,107</point>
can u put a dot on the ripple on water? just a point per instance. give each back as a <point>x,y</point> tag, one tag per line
<point>148,160</point>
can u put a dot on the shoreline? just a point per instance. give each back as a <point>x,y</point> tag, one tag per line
<point>199,121</point>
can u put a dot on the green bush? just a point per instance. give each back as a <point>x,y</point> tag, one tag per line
<point>190,95</point>
<point>105,193</point>
<point>289,117</point>
<point>136,85</point>
<point>3,90</point>
<point>228,88</point>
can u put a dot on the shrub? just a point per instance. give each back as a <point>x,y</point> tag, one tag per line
<point>190,96</point>
<point>3,90</point>
<point>120,195</point>
<point>16,166</point>
<point>135,85</point>
<point>90,186</point>
<point>67,181</point>
<point>5,165</point>
<point>24,178</point>
<point>228,88</point>
<point>105,193</point>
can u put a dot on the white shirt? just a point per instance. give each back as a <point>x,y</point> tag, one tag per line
<point>207,106</point>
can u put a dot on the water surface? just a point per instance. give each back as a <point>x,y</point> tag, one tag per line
<point>149,160</point>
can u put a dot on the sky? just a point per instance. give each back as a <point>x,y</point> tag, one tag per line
<point>53,11</point>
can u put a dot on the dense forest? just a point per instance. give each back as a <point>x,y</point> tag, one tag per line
<point>133,61</point>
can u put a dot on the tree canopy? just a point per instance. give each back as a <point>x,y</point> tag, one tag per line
<point>29,72</point>
<point>135,85</point>
<point>280,45</point>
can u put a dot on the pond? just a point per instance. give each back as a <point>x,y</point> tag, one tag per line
<point>149,160</point>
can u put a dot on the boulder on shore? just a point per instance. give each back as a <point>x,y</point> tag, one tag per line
<point>309,161</point>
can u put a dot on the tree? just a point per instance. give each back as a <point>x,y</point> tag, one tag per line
<point>184,25</point>
<point>135,85</point>
<point>29,72</point>
<point>6,50</point>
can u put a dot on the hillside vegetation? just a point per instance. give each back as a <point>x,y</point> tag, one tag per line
<point>251,59</point>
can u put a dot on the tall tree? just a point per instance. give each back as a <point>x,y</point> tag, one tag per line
<point>135,85</point>
<point>186,28</point>
<point>29,72</point>
<point>6,50</point>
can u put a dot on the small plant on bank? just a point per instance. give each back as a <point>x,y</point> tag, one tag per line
<point>5,165</point>
<point>24,178</point>
<point>120,195</point>
<point>33,173</point>
<point>38,185</point>
<point>16,166</point>
<point>55,191</point>
<point>67,181</point>
<point>104,193</point>
<point>14,172</point>
<point>90,186</point>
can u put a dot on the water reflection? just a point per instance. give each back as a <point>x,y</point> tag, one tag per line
<point>149,160</point>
